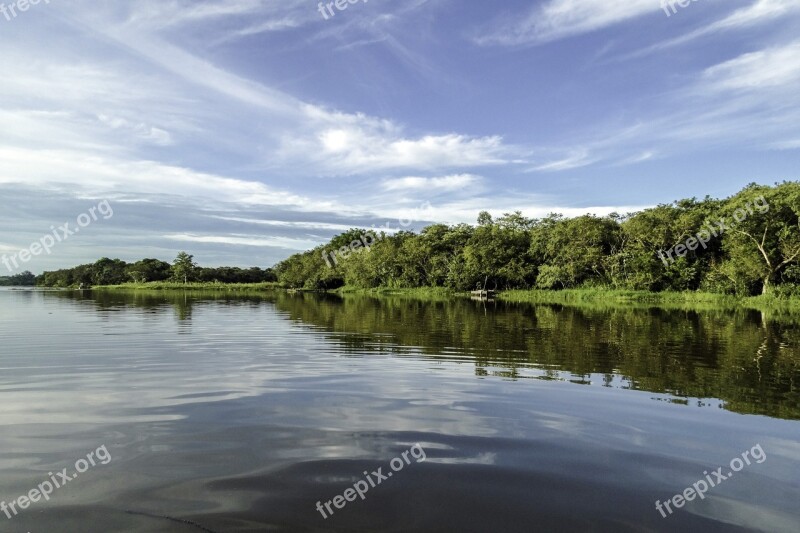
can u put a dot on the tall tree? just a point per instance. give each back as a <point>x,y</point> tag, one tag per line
<point>183,267</point>
<point>764,235</point>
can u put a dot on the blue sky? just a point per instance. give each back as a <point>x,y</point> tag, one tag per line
<point>246,130</point>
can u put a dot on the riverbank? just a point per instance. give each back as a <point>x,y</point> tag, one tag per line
<point>192,286</point>
<point>594,297</point>
<point>426,293</point>
<point>420,292</point>
<point>658,299</point>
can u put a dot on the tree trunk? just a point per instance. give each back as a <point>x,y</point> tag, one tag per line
<point>765,288</point>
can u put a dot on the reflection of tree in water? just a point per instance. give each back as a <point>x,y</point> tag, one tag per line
<point>749,361</point>
<point>181,303</point>
<point>183,310</point>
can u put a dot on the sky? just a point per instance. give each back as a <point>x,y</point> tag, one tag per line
<point>244,131</point>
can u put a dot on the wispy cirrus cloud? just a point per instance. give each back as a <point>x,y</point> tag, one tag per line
<point>791,144</point>
<point>327,141</point>
<point>777,66</point>
<point>754,97</point>
<point>153,15</point>
<point>98,174</point>
<point>558,19</point>
<point>758,12</point>
<point>286,223</point>
<point>576,158</point>
<point>246,240</point>
<point>304,135</point>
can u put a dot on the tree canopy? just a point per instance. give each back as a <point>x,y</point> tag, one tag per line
<point>116,272</point>
<point>23,279</point>
<point>757,251</point>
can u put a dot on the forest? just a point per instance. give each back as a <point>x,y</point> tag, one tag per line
<point>24,279</point>
<point>757,251</point>
<point>183,269</point>
<point>717,246</point>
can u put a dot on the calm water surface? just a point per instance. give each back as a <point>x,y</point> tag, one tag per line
<point>241,413</point>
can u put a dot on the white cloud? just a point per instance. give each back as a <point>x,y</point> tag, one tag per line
<point>466,210</point>
<point>557,19</point>
<point>323,141</point>
<point>759,12</point>
<point>101,174</point>
<point>369,144</point>
<point>246,240</point>
<point>773,67</point>
<point>141,130</point>
<point>150,15</point>
<point>639,158</point>
<point>287,224</point>
<point>753,98</point>
<point>268,26</point>
<point>577,159</point>
<point>792,144</point>
<point>453,182</point>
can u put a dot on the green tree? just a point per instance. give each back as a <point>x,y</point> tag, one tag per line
<point>763,241</point>
<point>645,258</point>
<point>183,267</point>
<point>574,251</point>
<point>23,279</point>
<point>148,270</point>
<point>107,272</point>
<point>497,252</point>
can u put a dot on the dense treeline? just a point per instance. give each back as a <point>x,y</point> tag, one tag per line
<point>24,279</point>
<point>116,272</point>
<point>746,244</point>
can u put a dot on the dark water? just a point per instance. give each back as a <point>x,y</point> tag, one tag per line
<point>241,413</point>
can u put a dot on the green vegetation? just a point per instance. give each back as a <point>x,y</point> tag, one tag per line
<point>418,292</point>
<point>154,274</point>
<point>757,252</point>
<point>611,297</point>
<point>690,252</point>
<point>183,267</point>
<point>666,299</point>
<point>25,279</point>
<point>190,286</point>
